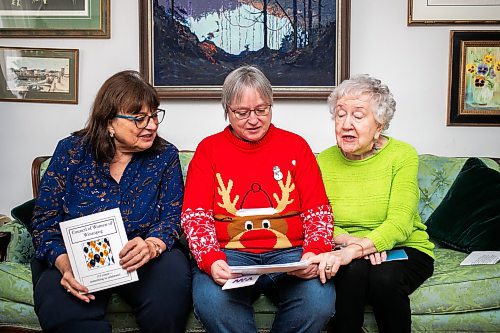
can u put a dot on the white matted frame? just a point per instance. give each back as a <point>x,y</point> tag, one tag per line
<point>423,12</point>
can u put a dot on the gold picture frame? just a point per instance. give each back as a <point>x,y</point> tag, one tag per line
<point>446,12</point>
<point>183,62</point>
<point>55,18</point>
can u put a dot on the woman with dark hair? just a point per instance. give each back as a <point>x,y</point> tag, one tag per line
<point>116,161</point>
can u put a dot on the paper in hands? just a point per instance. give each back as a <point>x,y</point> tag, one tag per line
<point>251,273</point>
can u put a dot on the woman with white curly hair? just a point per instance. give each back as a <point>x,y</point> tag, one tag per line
<point>371,183</point>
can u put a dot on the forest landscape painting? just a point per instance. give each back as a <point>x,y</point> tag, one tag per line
<point>191,46</point>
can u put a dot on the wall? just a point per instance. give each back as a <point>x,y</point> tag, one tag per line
<point>413,61</point>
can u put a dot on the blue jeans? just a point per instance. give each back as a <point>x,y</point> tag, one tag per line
<point>303,305</point>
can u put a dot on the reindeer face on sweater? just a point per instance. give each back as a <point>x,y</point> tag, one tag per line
<point>264,227</point>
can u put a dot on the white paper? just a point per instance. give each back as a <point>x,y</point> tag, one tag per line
<point>93,243</point>
<point>243,281</point>
<point>481,258</point>
<point>264,269</point>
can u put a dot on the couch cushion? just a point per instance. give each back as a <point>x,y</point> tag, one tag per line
<point>468,218</point>
<point>15,282</point>
<point>457,289</point>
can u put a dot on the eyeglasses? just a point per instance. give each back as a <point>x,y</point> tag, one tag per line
<point>142,121</point>
<point>245,113</point>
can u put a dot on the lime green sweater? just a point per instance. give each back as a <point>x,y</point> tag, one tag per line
<point>377,197</point>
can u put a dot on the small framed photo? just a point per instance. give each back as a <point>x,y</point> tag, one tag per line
<point>189,47</point>
<point>55,18</point>
<point>38,75</point>
<point>474,78</point>
<point>425,12</point>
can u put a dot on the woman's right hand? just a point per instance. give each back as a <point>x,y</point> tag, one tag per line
<point>221,273</point>
<point>69,282</point>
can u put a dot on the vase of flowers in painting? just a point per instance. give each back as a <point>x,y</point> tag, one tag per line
<point>483,77</point>
<point>482,95</point>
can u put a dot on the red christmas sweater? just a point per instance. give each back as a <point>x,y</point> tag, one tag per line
<point>255,197</point>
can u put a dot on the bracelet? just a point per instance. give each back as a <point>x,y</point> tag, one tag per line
<point>362,248</point>
<point>156,246</point>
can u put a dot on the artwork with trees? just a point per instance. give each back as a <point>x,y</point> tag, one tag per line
<point>197,43</point>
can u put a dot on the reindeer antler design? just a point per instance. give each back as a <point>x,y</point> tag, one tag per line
<point>285,193</point>
<point>225,194</point>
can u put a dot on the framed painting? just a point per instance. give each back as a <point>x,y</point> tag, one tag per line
<point>474,86</point>
<point>423,12</point>
<point>55,18</point>
<point>39,75</point>
<point>188,47</point>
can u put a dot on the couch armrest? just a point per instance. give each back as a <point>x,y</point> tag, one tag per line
<point>36,173</point>
<point>17,242</point>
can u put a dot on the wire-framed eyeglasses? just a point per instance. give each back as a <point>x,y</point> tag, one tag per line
<point>243,113</point>
<point>142,121</point>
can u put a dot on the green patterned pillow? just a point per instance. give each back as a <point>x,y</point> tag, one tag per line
<point>468,218</point>
<point>20,248</point>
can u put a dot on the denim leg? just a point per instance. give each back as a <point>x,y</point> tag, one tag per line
<point>222,311</point>
<point>304,305</point>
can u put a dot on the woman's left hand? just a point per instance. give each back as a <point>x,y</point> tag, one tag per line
<point>309,272</point>
<point>377,258</point>
<point>134,254</point>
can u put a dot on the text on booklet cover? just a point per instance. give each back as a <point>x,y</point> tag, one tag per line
<point>93,243</point>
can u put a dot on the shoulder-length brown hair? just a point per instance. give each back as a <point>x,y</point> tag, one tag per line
<point>125,92</point>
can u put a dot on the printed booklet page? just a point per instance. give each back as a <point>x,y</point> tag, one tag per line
<point>93,243</point>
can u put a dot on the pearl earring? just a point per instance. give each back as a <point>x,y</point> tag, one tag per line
<point>111,134</point>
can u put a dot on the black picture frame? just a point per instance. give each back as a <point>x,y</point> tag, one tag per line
<point>39,75</point>
<point>474,78</point>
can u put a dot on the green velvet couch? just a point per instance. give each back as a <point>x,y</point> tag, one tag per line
<point>455,299</point>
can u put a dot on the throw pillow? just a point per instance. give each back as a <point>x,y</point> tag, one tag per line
<point>468,218</point>
<point>23,213</point>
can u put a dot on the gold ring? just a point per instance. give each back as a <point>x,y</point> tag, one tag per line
<point>68,290</point>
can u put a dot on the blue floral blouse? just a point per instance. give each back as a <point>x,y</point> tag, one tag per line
<point>149,195</point>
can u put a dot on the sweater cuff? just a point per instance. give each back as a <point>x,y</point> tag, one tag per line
<point>205,264</point>
<point>378,241</point>
<point>318,247</point>
<point>53,254</point>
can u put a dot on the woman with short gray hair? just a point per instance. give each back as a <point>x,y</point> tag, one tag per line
<point>254,196</point>
<point>371,183</point>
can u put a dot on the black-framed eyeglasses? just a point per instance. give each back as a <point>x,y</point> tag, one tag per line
<point>243,113</point>
<point>142,121</point>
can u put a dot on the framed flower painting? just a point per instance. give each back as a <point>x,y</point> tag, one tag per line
<point>474,86</point>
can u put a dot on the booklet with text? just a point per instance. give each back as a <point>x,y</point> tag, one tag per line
<point>398,254</point>
<point>93,243</point>
<point>481,258</point>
